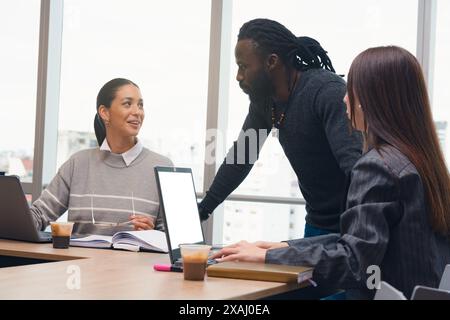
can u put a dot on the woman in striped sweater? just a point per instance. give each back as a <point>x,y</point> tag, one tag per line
<point>112,187</point>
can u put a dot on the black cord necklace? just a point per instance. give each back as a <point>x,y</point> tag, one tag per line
<point>277,123</point>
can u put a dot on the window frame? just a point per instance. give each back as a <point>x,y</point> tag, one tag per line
<point>48,88</point>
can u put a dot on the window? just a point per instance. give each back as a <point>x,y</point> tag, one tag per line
<point>344,29</point>
<point>243,221</point>
<point>163,47</point>
<point>440,94</point>
<point>19,33</point>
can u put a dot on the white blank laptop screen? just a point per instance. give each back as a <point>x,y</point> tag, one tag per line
<point>180,208</point>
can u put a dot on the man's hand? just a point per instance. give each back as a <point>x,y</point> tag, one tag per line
<point>204,215</point>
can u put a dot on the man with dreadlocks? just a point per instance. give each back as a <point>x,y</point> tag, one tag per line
<point>292,88</point>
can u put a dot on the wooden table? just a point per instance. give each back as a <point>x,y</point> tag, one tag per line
<point>113,274</point>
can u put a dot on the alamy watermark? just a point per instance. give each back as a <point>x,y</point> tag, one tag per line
<point>243,150</point>
<point>74,280</point>
<point>374,280</point>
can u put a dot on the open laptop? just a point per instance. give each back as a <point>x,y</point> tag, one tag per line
<point>16,222</point>
<point>178,205</point>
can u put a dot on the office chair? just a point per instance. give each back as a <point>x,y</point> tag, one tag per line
<point>428,293</point>
<point>445,280</point>
<point>388,292</point>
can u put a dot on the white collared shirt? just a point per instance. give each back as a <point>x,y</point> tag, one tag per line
<point>129,155</point>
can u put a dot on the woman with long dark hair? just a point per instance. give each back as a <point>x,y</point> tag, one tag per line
<point>398,203</point>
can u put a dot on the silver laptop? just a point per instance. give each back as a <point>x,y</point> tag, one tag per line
<point>16,221</point>
<point>178,206</point>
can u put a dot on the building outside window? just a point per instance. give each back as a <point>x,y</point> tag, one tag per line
<point>19,34</point>
<point>440,94</point>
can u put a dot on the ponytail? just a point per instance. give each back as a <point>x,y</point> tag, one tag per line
<point>99,128</point>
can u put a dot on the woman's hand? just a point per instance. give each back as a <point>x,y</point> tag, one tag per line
<point>241,251</point>
<point>142,222</point>
<point>270,245</point>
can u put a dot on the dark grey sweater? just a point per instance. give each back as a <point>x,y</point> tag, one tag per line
<point>315,138</point>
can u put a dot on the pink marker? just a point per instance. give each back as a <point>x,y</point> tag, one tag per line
<point>167,267</point>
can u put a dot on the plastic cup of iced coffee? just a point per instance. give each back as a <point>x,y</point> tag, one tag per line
<point>61,232</point>
<point>195,258</point>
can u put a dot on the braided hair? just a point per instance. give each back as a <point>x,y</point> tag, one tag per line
<point>302,53</point>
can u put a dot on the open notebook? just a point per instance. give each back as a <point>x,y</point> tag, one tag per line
<point>148,240</point>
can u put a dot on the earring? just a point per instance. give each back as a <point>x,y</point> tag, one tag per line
<point>360,106</point>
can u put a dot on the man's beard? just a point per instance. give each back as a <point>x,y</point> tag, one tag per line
<point>261,89</point>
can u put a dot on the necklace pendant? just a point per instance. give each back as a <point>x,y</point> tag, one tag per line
<point>275,132</point>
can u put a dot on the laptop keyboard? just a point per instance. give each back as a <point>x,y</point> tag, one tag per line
<point>45,236</point>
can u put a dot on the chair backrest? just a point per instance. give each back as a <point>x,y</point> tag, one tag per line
<point>428,293</point>
<point>388,292</point>
<point>445,280</point>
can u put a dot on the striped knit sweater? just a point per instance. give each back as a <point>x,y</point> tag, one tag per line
<point>100,192</point>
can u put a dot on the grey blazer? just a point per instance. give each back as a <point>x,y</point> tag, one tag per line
<point>385,224</point>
